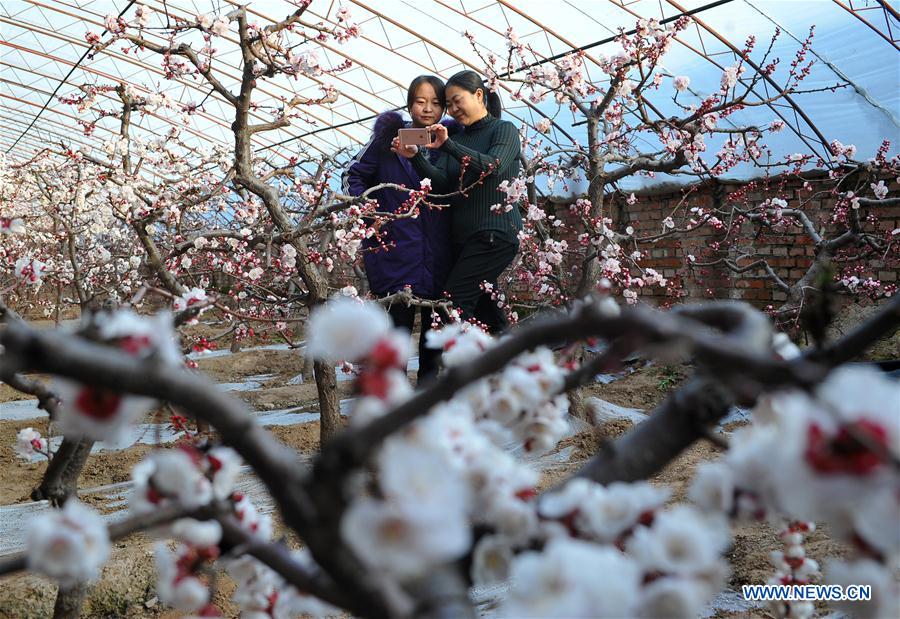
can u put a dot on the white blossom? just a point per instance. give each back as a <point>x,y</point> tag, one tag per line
<point>404,539</point>
<point>69,545</point>
<point>169,475</point>
<point>225,464</point>
<point>682,541</point>
<point>205,20</point>
<point>610,511</point>
<point>189,298</point>
<point>730,77</point>
<point>174,588</point>
<point>220,25</point>
<point>674,598</point>
<point>562,581</point>
<point>491,559</point>
<point>682,82</point>
<point>142,13</point>
<point>411,472</point>
<point>257,524</point>
<point>461,342</point>
<point>345,328</point>
<point>197,533</point>
<point>94,413</point>
<point>712,488</point>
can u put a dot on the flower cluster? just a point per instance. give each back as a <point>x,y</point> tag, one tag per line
<point>190,298</point>
<point>822,457</point>
<point>193,477</point>
<point>262,592</point>
<point>793,567</point>
<point>451,469</point>
<point>100,414</point>
<point>420,522</point>
<point>30,270</point>
<point>11,225</point>
<point>179,583</point>
<point>657,563</point>
<point>185,476</point>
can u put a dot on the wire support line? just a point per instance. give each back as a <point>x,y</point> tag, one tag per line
<point>506,74</point>
<point>862,92</point>
<point>612,38</point>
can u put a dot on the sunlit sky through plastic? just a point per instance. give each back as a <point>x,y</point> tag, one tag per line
<point>42,41</point>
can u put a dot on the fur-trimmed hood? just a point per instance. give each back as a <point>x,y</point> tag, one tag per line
<point>387,124</point>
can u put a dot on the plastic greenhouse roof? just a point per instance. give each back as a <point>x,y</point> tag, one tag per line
<point>42,57</point>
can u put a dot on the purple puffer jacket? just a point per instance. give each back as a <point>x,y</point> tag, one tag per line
<point>418,251</point>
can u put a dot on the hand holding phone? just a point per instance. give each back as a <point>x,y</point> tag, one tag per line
<point>404,151</point>
<point>438,135</point>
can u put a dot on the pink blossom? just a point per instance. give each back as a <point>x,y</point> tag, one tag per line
<point>515,190</point>
<point>142,13</point>
<point>29,442</point>
<point>682,82</point>
<point>13,225</point>
<point>220,26</point>
<point>30,270</point>
<point>730,76</point>
<point>190,298</point>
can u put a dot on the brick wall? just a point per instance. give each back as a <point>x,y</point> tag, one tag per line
<point>789,252</point>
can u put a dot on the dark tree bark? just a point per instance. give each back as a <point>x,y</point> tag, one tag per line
<point>329,407</point>
<point>61,478</point>
<point>69,602</point>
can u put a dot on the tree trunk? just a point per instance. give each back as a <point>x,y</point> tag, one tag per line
<point>69,602</point>
<point>61,479</point>
<point>307,370</point>
<point>590,274</point>
<point>235,344</point>
<point>329,408</point>
<point>577,408</point>
<point>59,483</point>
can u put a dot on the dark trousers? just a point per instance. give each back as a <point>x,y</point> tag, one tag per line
<point>405,316</point>
<point>483,257</point>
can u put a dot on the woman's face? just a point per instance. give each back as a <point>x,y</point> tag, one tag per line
<point>426,107</point>
<point>465,107</point>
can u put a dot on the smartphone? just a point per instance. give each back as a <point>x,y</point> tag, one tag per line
<point>417,137</point>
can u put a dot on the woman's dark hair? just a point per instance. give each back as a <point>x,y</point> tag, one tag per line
<point>470,82</point>
<point>435,82</point>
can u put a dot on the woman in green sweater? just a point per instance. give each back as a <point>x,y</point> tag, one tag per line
<point>485,241</point>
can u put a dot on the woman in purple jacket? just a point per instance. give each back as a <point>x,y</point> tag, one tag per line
<point>418,251</point>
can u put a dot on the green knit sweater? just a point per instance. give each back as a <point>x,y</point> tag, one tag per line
<point>486,142</point>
